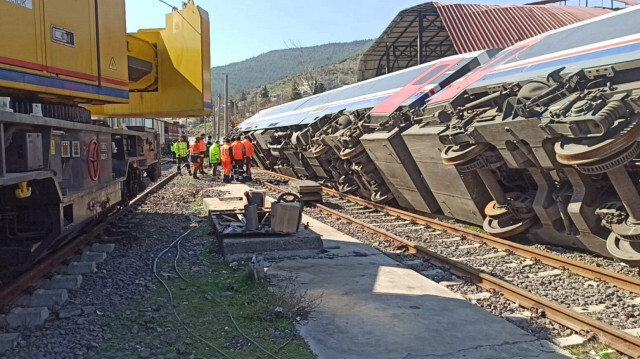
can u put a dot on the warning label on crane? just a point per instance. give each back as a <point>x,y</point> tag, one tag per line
<point>112,64</point>
<point>24,3</point>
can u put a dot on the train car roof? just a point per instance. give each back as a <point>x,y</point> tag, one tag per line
<point>426,80</point>
<point>604,40</point>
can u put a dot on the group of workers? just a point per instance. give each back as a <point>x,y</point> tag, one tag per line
<point>235,157</point>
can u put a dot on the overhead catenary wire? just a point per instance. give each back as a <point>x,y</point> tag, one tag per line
<point>169,5</point>
<point>175,8</point>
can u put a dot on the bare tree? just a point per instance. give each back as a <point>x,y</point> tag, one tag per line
<point>308,74</point>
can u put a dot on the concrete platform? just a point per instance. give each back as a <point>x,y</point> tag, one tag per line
<point>372,307</point>
<point>274,246</point>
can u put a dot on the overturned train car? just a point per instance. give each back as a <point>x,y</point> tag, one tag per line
<point>540,142</point>
<point>320,137</point>
<point>548,128</point>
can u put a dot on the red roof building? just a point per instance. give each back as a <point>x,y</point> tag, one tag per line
<point>434,30</point>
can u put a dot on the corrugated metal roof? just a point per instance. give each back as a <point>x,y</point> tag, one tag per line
<point>449,29</point>
<point>545,2</point>
<point>476,27</point>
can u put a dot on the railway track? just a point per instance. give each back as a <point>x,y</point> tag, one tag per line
<point>11,291</point>
<point>521,273</point>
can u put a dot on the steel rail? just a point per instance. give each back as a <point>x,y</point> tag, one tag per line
<point>610,336</point>
<point>10,292</point>
<point>586,270</point>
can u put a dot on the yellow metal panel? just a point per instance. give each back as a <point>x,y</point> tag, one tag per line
<point>21,35</point>
<point>183,70</point>
<point>142,50</point>
<point>28,48</point>
<point>206,59</point>
<point>113,45</point>
<point>70,38</point>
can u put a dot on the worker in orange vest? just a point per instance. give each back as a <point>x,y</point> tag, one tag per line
<point>197,150</point>
<point>249,151</point>
<point>225,158</point>
<point>237,152</point>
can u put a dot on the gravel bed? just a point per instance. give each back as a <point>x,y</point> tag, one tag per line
<point>592,259</point>
<point>124,278</point>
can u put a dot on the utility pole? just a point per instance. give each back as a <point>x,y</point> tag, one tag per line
<point>218,117</point>
<point>226,104</point>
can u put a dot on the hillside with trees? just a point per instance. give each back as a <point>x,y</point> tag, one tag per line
<point>312,81</point>
<point>276,65</point>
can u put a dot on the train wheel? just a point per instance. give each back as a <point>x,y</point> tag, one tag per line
<point>133,185</point>
<point>140,185</point>
<point>624,250</point>
<point>505,229</point>
<point>154,172</point>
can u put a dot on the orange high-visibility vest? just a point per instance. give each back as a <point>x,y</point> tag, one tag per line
<point>249,150</point>
<point>224,152</point>
<point>238,150</point>
<point>197,148</point>
<point>193,149</point>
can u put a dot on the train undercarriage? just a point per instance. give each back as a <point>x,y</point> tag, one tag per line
<point>57,176</point>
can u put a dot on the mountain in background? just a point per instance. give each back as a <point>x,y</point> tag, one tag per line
<point>279,64</point>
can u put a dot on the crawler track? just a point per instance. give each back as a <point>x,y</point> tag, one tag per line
<point>10,292</point>
<point>474,271</point>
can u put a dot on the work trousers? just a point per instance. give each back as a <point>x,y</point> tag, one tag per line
<point>184,160</point>
<point>197,163</point>
<point>238,169</point>
<point>226,169</point>
<point>248,161</point>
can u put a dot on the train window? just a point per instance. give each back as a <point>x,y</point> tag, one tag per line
<point>67,214</point>
<point>118,143</point>
<point>610,28</point>
<point>427,77</point>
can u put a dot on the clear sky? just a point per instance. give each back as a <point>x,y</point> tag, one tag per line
<point>241,29</point>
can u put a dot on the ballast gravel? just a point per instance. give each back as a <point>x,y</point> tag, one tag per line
<point>125,277</point>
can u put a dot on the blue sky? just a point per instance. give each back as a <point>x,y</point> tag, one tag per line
<point>241,29</point>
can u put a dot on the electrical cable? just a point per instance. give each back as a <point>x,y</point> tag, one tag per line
<point>175,312</point>
<point>175,266</point>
